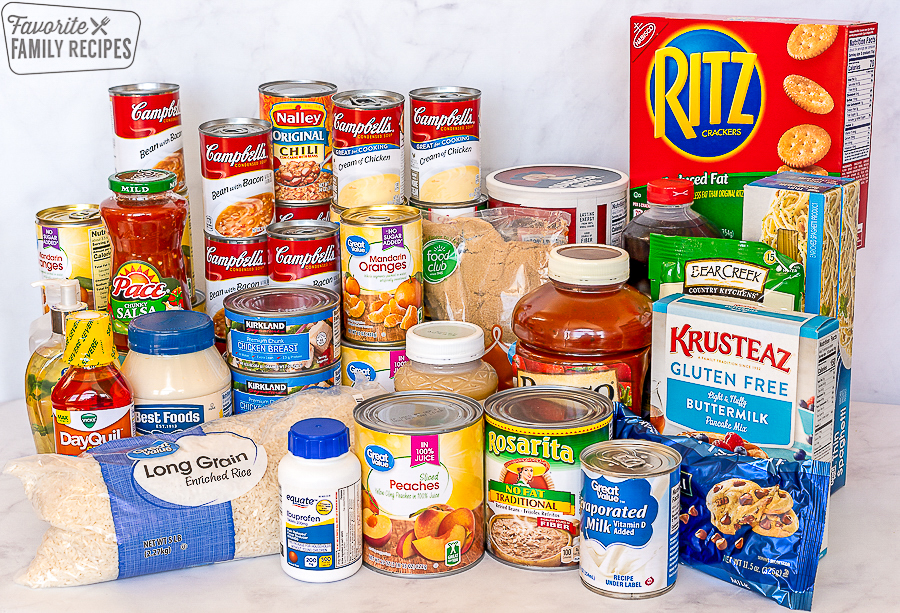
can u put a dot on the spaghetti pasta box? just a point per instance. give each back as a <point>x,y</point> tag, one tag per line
<point>757,381</point>
<point>724,101</point>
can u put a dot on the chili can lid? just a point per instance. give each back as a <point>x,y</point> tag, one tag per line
<point>152,181</point>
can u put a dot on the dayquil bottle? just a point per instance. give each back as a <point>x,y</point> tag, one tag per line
<point>92,403</point>
<point>145,220</point>
<point>586,327</point>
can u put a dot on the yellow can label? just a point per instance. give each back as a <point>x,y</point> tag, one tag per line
<point>378,365</point>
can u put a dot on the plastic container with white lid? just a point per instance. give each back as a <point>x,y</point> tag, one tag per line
<point>446,356</point>
<point>178,377</point>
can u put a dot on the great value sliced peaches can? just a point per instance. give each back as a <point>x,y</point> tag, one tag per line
<point>422,482</point>
<point>381,264</point>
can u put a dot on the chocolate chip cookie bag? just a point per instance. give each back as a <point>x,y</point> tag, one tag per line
<point>756,523</point>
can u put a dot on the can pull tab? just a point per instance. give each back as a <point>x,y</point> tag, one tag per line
<point>627,459</point>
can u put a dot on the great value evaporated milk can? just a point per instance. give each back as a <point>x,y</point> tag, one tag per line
<point>422,485</point>
<point>305,252</point>
<point>631,501</point>
<point>254,390</point>
<point>365,362</point>
<point>533,438</point>
<point>445,145</point>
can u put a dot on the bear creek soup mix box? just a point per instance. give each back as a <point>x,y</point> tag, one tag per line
<point>724,101</point>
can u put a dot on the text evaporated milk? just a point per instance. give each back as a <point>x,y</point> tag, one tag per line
<point>369,151</point>
<point>445,147</point>
<point>422,484</point>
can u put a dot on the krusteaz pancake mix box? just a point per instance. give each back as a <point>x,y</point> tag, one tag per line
<point>724,101</point>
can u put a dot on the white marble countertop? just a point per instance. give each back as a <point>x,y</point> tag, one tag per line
<point>857,574</point>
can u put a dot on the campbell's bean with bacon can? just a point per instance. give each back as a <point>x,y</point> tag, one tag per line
<point>238,183</point>
<point>305,252</point>
<point>232,265</point>
<point>369,156</point>
<point>291,211</point>
<point>300,114</point>
<point>445,144</point>
<point>146,121</point>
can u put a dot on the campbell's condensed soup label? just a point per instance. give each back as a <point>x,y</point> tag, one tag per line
<point>291,211</point>
<point>305,252</point>
<point>445,146</point>
<point>146,121</point>
<point>232,265</point>
<point>368,148</point>
<point>238,184</point>
<point>300,114</point>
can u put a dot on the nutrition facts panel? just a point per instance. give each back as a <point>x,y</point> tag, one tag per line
<point>826,371</point>
<point>860,94</point>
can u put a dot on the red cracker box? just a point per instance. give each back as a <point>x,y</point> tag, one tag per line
<point>724,101</point>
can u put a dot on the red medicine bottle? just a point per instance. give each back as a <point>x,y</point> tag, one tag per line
<point>145,220</point>
<point>586,327</point>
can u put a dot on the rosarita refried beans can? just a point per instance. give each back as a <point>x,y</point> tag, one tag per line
<point>147,132</point>
<point>305,252</point>
<point>445,145</point>
<point>369,151</point>
<point>238,183</point>
<point>300,114</point>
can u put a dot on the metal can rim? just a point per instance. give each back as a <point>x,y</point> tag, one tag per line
<point>364,346</point>
<point>468,414</point>
<point>600,408</point>
<point>262,126</point>
<point>42,216</point>
<point>303,203</point>
<point>146,88</point>
<point>396,99</point>
<point>235,240</point>
<point>327,229</point>
<point>334,366</point>
<point>468,93</point>
<point>670,459</point>
<point>329,305</point>
<point>406,214</point>
<point>436,206</point>
<point>266,88</point>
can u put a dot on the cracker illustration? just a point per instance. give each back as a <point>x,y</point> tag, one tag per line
<point>810,170</point>
<point>809,40</point>
<point>803,145</point>
<point>808,95</point>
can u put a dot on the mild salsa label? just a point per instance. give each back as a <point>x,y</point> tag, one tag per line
<point>138,288</point>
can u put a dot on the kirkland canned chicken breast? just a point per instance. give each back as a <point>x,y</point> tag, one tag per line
<point>422,482</point>
<point>300,114</point>
<point>283,329</point>
<point>533,438</point>
<point>365,362</point>
<point>147,132</point>
<point>369,151</point>
<point>305,252</point>
<point>254,390</point>
<point>238,190</point>
<point>630,504</point>
<point>445,146</point>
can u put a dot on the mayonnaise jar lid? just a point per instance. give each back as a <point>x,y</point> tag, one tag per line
<point>176,332</point>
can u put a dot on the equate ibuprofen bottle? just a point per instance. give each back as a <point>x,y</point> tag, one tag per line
<point>585,327</point>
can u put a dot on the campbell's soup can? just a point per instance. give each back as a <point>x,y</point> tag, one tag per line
<point>238,183</point>
<point>147,132</point>
<point>368,148</point>
<point>445,144</point>
<point>300,114</point>
<point>232,265</point>
<point>305,252</point>
<point>291,211</point>
<point>595,197</point>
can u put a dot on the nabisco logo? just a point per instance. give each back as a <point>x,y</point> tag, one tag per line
<point>140,112</point>
<point>250,154</point>
<point>455,119</point>
<point>244,259</point>
<point>690,342</point>
<point>372,127</point>
<point>305,260</point>
<point>643,34</point>
<point>125,289</point>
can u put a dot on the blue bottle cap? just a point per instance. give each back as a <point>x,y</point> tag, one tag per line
<point>170,332</point>
<point>319,438</point>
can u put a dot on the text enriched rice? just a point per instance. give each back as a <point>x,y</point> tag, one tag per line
<point>162,502</point>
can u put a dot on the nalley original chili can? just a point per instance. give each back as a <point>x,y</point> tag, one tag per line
<point>238,184</point>
<point>300,114</point>
<point>232,265</point>
<point>369,150</point>
<point>305,252</point>
<point>445,145</point>
<point>147,132</point>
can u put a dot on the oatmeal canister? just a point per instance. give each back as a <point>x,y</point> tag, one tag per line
<point>368,147</point>
<point>254,390</point>
<point>147,132</point>
<point>445,146</point>
<point>381,264</point>
<point>232,265</point>
<point>630,503</point>
<point>283,329</point>
<point>236,163</point>
<point>533,438</point>
<point>73,243</point>
<point>365,362</point>
<point>304,252</point>
<point>300,114</point>
<point>422,482</point>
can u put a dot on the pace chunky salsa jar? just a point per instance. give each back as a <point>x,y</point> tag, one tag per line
<point>585,327</point>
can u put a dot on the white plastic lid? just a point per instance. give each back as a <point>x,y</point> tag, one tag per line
<point>547,185</point>
<point>444,342</point>
<point>588,265</point>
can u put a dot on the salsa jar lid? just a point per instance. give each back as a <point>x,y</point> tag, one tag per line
<point>380,215</point>
<point>630,458</point>
<point>418,413</point>
<point>549,407</point>
<point>281,301</point>
<point>150,181</point>
<point>297,89</point>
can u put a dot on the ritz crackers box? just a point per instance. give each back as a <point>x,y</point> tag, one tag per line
<point>715,99</point>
